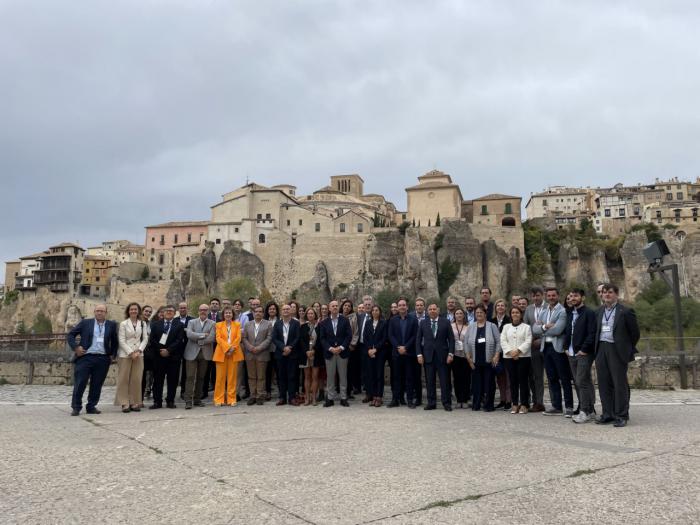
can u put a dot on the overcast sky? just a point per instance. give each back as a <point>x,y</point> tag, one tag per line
<point>115,115</point>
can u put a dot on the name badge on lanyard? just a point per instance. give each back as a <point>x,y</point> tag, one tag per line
<point>459,346</point>
<point>100,333</point>
<point>607,327</point>
<point>481,340</point>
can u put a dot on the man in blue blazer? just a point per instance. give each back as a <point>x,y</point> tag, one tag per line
<point>336,334</point>
<point>435,351</point>
<point>93,353</point>
<point>402,336</point>
<point>285,337</point>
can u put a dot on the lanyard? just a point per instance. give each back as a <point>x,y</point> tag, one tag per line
<point>459,331</point>
<point>100,329</point>
<point>608,314</point>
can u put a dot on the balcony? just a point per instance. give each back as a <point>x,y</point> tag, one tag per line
<point>47,277</point>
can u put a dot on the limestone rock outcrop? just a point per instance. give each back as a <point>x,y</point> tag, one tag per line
<point>636,277</point>
<point>315,289</point>
<point>234,262</point>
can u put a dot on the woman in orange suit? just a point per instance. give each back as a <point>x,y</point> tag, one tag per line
<point>226,356</point>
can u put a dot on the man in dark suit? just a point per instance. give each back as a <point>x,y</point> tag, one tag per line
<point>617,334</point>
<point>579,344</point>
<point>167,345</point>
<point>402,336</point>
<point>98,345</point>
<point>486,301</point>
<point>435,351</point>
<point>285,337</point>
<point>184,318</point>
<point>336,335</point>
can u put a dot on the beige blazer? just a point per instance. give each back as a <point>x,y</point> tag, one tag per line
<point>264,340</point>
<point>131,340</point>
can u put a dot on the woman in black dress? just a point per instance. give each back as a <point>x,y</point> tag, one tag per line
<point>373,349</point>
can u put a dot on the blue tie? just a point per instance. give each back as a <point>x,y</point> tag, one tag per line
<point>434,328</point>
<point>167,326</point>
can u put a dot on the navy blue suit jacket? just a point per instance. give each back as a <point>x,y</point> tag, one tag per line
<point>435,348</point>
<point>175,342</point>
<point>342,337</point>
<point>86,328</point>
<point>375,338</point>
<point>396,339</point>
<point>292,338</point>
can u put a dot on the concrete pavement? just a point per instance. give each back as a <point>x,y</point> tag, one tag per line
<point>344,465</point>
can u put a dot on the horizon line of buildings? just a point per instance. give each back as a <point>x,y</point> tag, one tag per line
<point>261,218</point>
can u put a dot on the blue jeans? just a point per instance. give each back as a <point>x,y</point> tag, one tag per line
<point>92,367</point>
<point>559,376</point>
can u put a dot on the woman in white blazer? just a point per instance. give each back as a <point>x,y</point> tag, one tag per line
<point>133,338</point>
<point>516,340</point>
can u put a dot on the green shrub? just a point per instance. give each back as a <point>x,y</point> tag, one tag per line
<point>240,288</point>
<point>42,324</point>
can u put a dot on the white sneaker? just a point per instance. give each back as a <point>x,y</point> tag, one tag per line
<point>581,417</point>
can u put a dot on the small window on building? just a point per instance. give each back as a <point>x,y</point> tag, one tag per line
<point>342,227</point>
<point>189,237</point>
<point>153,239</point>
<point>509,208</point>
<point>544,202</point>
<point>679,195</point>
<point>300,222</point>
<point>235,230</point>
<point>621,212</point>
<point>162,240</point>
<point>607,212</point>
<point>161,259</point>
<point>317,227</point>
<point>259,216</point>
<point>175,239</point>
<point>658,214</point>
<point>669,196</point>
<point>268,216</point>
<point>261,238</point>
<point>294,241</point>
<point>484,210</point>
<point>218,241</point>
<point>289,223</point>
<point>360,227</point>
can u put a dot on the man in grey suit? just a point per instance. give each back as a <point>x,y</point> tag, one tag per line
<point>617,335</point>
<point>551,328</point>
<point>532,315</point>
<point>256,340</point>
<point>201,333</point>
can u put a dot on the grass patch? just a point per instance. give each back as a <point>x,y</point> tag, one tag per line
<point>583,472</point>
<point>444,503</point>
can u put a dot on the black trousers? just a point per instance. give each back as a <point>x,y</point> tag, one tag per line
<point>209,379</point>
<point>519,375</point>
<point>559,377</point>
<point>92,368</point>
<point>418,372</point>
<point>271,367</point>
<point>165,369</point>
<point>442,371</point>
<point>461,378</point>
<point>355,370</point>
<point>183,376</point>
<point>482,383</point>
<point>287,377</point>
<point>402,380</point>
<point>611,370</point>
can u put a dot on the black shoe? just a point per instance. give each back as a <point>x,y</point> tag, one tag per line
<point>198,404</point>
<point>170,404</point>
<point>429,407</point>
<point>93,411</point>
<point>251,401</point>
<point>402,402</point>
<point>394,403</point>
<point>188,405</point>
<point>328,403</point>
<point>603,420</point>
<point>344,403</point>
<point>246,395</point>
<point>182,396</point>
<point>155,406</point>
<point>75,412</point>
<point>418,402</point>
<point>619,423</point>
<point>507,406</point>
<point>448,408</point>
<point>238,398</point>
<point>411,404</point>
<point>500,405</point>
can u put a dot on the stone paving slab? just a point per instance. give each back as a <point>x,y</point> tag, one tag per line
<point>343,465</point>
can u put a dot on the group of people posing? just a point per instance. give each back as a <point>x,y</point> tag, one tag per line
<point>333,352</point>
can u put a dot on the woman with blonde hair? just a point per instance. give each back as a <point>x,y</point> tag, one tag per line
<point>227,355</point>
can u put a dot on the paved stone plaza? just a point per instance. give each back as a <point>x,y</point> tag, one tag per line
<point>359,465</point>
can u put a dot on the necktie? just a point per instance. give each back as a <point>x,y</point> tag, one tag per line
<point>434,328</point>
<point>167,326</point>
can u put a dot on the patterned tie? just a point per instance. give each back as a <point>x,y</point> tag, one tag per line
<point>167,326</point>
<point>434,328</point>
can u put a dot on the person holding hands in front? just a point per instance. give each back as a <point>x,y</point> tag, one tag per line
<point>226,356</point>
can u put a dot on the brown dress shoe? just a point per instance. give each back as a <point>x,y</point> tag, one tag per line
<point>537,408</point>
<point>251,401</point>
<point>295,403</point>
<point>367,399</point>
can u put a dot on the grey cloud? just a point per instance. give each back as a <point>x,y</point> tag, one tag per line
<point>120,114</point>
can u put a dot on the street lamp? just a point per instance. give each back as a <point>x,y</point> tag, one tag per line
<point>655,253</point>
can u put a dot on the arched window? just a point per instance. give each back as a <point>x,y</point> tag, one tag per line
<point>261,238</point>
<point>508,221</point>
